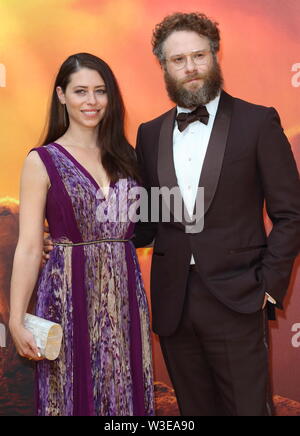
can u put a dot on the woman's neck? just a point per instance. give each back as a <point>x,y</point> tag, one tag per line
<point>78,136</point>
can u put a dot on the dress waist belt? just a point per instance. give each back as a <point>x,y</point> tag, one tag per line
<point>76,244</point>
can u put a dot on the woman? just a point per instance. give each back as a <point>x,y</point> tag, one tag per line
<point>92,283</point>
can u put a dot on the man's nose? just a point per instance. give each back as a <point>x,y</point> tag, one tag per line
<point>190,64</point>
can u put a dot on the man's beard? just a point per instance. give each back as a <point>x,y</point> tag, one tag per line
<point>189,98</point>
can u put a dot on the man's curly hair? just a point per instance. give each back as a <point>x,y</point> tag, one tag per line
<point>194,22</point>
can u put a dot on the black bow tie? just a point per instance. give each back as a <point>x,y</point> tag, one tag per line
<point>185,118</point>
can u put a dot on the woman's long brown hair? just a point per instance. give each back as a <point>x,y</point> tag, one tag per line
<point>117,155</point>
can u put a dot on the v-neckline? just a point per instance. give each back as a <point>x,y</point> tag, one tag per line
<point>83,169</point>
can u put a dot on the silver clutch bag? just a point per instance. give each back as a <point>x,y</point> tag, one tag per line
<point>48,335</point>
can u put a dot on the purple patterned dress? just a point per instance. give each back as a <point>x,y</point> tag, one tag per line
<point>95,291</point>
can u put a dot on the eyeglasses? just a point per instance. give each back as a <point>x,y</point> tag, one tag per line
<point>199,57</point>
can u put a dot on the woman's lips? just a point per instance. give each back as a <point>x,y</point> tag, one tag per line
<point>91,113</point>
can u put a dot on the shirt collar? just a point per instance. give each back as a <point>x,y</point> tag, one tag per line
<point>211,107</point>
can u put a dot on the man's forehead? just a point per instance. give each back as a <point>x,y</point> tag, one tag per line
<point>185,41</point>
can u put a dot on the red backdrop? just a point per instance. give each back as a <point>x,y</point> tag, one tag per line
<point>261,63</point>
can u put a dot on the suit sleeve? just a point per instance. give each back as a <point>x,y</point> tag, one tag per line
<point>280,180</point>
<point>145,232</point>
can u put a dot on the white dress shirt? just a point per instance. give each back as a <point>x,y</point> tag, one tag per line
<point>189,150</point>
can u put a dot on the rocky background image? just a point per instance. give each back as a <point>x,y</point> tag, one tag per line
<point>16,374</point>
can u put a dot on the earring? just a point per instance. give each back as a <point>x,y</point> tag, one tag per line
<point>65,115</point>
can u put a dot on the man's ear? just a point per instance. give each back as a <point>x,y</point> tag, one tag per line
<point>163,65</point>
<point>60,95</point>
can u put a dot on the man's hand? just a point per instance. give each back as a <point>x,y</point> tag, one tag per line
<point>48,245</point>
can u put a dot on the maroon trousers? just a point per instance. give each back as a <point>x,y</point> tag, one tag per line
<point>218,359</point>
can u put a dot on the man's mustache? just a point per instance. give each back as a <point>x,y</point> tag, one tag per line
<point>193,77</point>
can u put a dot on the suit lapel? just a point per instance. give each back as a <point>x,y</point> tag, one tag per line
<point>165,164</point>
<point>166,169</point>
<point>213,161</point>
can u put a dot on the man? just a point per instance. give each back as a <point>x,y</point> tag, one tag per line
<point>209,289</point>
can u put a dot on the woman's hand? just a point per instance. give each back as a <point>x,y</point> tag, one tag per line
<point>47,245</point>
<point>25,343</point>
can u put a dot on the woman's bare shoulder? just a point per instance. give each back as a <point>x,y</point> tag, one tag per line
<point>34,167</point>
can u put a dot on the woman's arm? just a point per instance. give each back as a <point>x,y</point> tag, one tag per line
<point>33,192</point>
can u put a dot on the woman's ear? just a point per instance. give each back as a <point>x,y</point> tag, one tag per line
<point>60,95</point>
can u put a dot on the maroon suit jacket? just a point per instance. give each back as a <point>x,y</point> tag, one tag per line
<point>248,162</point>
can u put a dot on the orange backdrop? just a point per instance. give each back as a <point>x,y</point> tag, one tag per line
<point>260,60</point>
